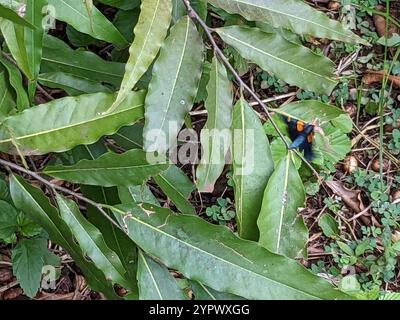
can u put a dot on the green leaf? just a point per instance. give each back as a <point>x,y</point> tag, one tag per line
<point>27,259</point>
<point>329,226</point>
<point>33,201</point>
<point>72,84</point>
<point>130,137</point>
<point>122,4</point>
<point>7,103</point>
<point>150,31</point>
<point>295,64</point>
<point>345,248</point>
<point>8,222</point>
<point>155,281</point>
<point>390,296</point>
<point>10,14</point>
<point>14,36</point>
<point>311,110</point>
<point>173,88</point>
<point>15,79</point>
<point>138,194</point>
<point>290,14</point>
<point>282,229</point>
<point>65,123</point>
<point>215,136</point>
<point>177,186</point>
<point>333,144</point>
<point>34,40</point>
<point>116,239</point>
<point>111,169</point>
<point>202,292</point>
<point>92,242</point>
<point>75,13</point>
<point>252,167</point>
<point>279,151</point>
<point>59,57</point>
<point>240,267</point>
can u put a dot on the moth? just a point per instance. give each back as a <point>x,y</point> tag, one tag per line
<point>302,135</point>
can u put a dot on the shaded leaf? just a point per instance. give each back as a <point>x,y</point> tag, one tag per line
<point>59,57</point>
<point>177,186</point>
<point>155,281</point>
<point>70,83</point>
<point>202,292</point>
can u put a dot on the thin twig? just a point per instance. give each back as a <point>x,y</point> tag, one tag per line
<point>54,187</point>
<point>208,31</point>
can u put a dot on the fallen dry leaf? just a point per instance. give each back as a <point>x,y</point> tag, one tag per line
<point>351,198</point>
<point>380,23</point>
<point>372,76</point>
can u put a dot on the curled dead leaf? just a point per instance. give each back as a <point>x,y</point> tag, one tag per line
<point>352,198</point>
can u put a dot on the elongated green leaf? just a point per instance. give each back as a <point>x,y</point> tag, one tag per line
<point>290,14</point>
<point>16,82</point>
<point>10,14</point>
<point>202,292</point>
<point>65,123</point>
<point>216,257</point>
<point>215,136</point>
<point>111,169</point>
<point>311,110</point>
<point>130,137</point>
<point>14,35</point>
<point>75,13</point>
<point>34,40</point>
<point>115,238</point>
<point>7,103</point>
<point>177,186</point>
<point>150,31</point>
<point>173,88</point>
<point>92,242</point>
<point>252,167</point>
<point>58,56</point>
<point>33,201</point>
<point>72,84</point>
<point>155,281</point>
<point>282,230</point>
<point>295,64</point>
